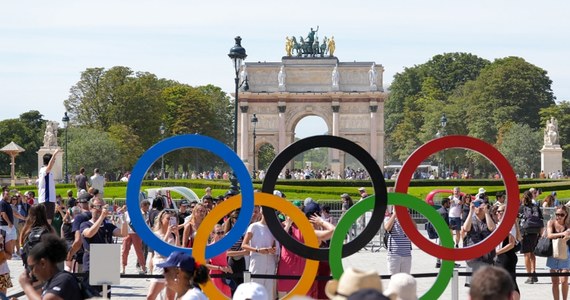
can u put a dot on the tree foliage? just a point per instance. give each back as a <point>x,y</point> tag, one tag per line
<point>419,95</point>
<point>480,99</point>
<point>91,148</point>
<point>520,144</point>
<point>131,107</point>
<point>26,131</point>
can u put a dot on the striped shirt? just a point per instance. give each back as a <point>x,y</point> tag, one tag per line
<point>398,243</point>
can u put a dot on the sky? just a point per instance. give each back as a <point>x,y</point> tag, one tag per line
<point>45,45</point>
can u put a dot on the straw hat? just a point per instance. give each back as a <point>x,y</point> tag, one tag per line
<point>351,281</point>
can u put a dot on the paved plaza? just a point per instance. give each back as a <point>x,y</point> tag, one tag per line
<point>136,288</point>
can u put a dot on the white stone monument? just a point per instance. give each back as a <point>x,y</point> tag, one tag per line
<point>551,152</point>
<point>49,146</point>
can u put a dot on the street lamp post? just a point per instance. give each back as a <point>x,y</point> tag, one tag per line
<point>254,122</point>
<point>65,121</point>
<point>161,129</point>
<point>443,122</point>
<point>237,54</point>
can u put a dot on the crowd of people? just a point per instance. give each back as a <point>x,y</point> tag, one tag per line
<point>53,238</point>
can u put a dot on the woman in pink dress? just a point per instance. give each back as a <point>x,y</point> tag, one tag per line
<point>219,264</point>
<point>289,263</point>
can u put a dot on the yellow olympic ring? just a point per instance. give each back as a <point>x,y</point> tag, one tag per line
<point>263,199</point>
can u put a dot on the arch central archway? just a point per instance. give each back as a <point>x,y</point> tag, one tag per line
<point>350,102</point>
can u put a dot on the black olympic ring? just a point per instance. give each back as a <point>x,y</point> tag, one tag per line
<point>378,183</point>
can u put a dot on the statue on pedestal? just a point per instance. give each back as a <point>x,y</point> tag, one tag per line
<point>551,132</point>
<point>335,78</point>
<point>281,78</point>
<point>50,135</point>
<point>373,76</point>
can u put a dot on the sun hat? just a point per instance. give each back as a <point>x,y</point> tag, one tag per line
<point>351,281</point>
<point>403,285</point>
<point>251,291</point>
<point>482,191</point>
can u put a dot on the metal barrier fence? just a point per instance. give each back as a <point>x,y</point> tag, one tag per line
<point>247,276</point>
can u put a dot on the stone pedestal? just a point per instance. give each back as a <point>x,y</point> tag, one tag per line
<point>57,168</point>
<point>551,159</point>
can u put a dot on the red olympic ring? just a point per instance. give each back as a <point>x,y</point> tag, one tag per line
<point>504,168</point>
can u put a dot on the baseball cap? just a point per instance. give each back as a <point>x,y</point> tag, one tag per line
<point>184,203</point>
<point>180,260</point>
<point>311,209</point>
<point>297,203</point>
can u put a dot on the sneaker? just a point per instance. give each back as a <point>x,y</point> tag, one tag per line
<point>529,280</point>
<point>467,284</point>
<point>534,279</point>
<point>438,265</point>
<point>457,265</point>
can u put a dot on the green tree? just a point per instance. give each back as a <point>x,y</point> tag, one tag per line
<point>91,148</point>
<point>27,132</point>
<point>419,95</point>
<point>129,146</point>
<point>520,145</point>
<point>265,156</point>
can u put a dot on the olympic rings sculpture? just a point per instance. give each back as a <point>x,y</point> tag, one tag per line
<point>377,203</point>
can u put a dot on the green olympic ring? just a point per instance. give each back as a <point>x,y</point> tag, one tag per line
<point>361,207</point>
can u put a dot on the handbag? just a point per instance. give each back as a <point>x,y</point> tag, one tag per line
<point>543,247</point>
<point>559,249</point>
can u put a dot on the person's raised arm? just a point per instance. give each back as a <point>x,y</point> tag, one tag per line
<point>52,161</point>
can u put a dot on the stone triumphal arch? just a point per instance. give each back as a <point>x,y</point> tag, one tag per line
<point>348,96</point>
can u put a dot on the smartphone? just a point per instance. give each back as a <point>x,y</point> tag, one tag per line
<point>173,221</point>
<point>477,203</point>
<point>110,208</point>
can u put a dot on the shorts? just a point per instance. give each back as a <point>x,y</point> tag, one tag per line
<point>455,223</point>
<point>5,281</point>
<point>11,233</point>
<point>529,242</point>
<point>557,264</point>
<point>50,209</point>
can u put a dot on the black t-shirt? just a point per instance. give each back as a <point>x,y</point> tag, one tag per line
<point>103,236</point>
<point>7,208</point>
<point>181,217</point>
<point>71,202</point>
<point>152,214</point>
<point>82,217</point>
<point>64,285</point>
<point>81,181</point>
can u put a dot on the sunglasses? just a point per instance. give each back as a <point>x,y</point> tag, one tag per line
<point>97,207</point>
<point>220,232</point>
<point>561,215</point>
<point>500,211</point>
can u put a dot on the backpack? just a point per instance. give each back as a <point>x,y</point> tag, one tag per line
<point>33,238</point>
<point>432,234</point>
<point>531,221</point>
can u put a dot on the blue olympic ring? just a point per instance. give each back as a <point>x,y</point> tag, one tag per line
<point>189,141</point>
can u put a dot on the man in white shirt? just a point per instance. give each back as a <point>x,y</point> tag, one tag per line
<point>97,182</point>
<point>46,184</point>
<point>455,211</point>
